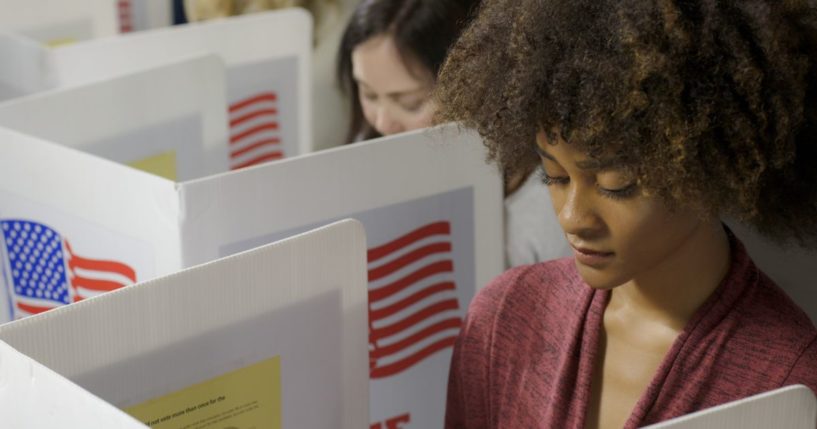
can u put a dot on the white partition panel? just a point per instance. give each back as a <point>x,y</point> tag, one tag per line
<point>432,210</point>
<point>167,119</point>
<point>268,74</point>
<point>25,68</point>
<point>57,22</point>
<point>271,338</point>
<point>138,15</point>
<point>35,397</point>
<point>790,407</point>
<point>73,225</point>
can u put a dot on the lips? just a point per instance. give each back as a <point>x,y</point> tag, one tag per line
<point>590,251</point>
<point>592,257</point>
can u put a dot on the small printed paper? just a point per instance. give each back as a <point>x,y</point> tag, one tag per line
<point>245,398</point>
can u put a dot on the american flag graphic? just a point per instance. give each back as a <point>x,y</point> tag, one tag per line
<point>413,306</point>
<point>254,130</point>
<point>44,272</point>
<point>125,9</point>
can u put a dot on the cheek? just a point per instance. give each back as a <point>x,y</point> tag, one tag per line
<point>369,109</point>
<point>649,233</point>
<point>424,118</point>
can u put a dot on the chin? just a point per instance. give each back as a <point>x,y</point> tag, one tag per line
<point>600,278</point>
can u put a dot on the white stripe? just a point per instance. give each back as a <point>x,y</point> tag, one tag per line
<point>258,105</point>
<point>87,293</point>
<point>408,249</point>
<point>34,302</point>
<point>255,122</point>
<point>261,150</point>
<point>414,308</point>
<point>414,287</point>
<point>386,360</point>
<point>100,275</point>
<point>400,335</point>
<point>411,268</point>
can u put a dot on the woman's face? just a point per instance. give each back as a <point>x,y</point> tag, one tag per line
<point>617,233</point>
<point>394,96</point>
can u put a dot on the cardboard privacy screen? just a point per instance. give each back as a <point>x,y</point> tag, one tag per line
<point>268,74</point>
<point>791,407</point>
<point>271,338</point>
<point>431,206</point>
<point>25,68</point>
<point>138,15</point>
<point>33,396</point>
<point>169,119</point>
<point>56,22</point>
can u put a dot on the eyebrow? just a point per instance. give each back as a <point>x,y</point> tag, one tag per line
<point>396,94</point>
<point>587,164</point>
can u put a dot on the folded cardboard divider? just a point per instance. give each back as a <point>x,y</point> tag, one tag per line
<point>790,407</point>
<point>168,119</point>
<point>35,397</point>
<point>275,336</point>
<point>25,68</point>
<point>268,78</point>
<point>431,206</point>
<point>59,22</point>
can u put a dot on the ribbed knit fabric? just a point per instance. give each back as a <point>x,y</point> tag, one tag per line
<point>525,356</point>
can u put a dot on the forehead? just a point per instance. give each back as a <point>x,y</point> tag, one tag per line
<point>378,64</point>
<point>566,154</point>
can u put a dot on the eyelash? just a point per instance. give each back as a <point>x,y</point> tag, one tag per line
<point>615,194</point>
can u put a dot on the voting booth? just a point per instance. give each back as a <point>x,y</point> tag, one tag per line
<point>169,120</point>
<point>138,15</point>
<point>53,401</point>
<point>270,338</point>
<point>268,77</point>
<point>431,206</point>
<point>790,407</point>
<point>25,67</point>
<point>57,22</point>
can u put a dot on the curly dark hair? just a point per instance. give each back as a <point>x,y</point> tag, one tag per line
<point>711,103</point>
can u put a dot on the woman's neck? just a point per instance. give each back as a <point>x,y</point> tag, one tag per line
<point>671,292</point>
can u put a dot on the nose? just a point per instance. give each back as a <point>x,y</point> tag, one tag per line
<point>577,215</point>
<point>386,124</point>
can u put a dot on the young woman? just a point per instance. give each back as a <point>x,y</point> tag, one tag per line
<point>388,62</point>
<point>650,120</point>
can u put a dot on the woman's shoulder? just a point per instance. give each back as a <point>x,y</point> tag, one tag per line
<point>526,289</point>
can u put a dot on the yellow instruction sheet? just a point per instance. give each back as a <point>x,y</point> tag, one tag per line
<point>247,398</point>
<point>162,165</point>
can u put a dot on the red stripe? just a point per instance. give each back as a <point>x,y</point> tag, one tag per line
<point>404,364</point>
<point>32,309</point>
<point>408,302</point>
<point>416,235</point>
<point>441,307</point>
<point>256,145</point>
<point>96,284</point>
<point>125,18</point>
<point>381,352</point>
<point>99,265</point>
<point>264,96</point>
<point>397,286</point>
<point>411,257</point>
<point>252,115</point>
<point>258,160</point>
<point>270,126</point>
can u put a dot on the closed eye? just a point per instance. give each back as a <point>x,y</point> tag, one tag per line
<point>552,180</point>
<point>619,193</point>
